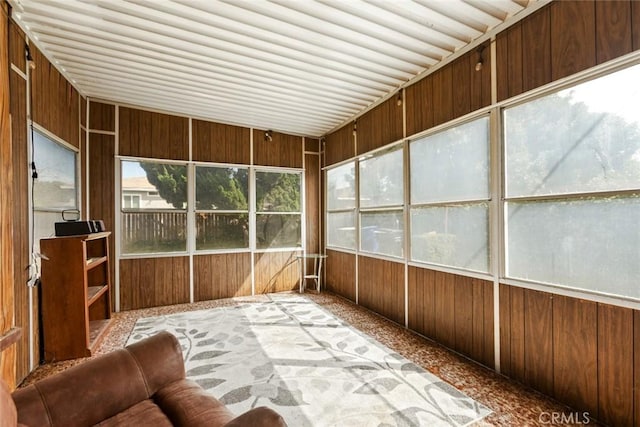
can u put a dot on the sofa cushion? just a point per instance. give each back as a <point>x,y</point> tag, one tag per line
<point>145,413</point>
<point>187,404</point>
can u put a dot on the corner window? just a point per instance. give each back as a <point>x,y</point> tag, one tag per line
<point>341,206</point>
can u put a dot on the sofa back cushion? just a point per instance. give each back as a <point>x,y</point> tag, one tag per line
<point>100,388</point>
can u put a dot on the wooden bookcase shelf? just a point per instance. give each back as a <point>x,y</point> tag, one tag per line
<point>76,294</point>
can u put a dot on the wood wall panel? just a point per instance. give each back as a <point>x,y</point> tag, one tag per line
<point>505,329</point>
<point>101,187</point>
<point>152,282</point>
<point>339,145</point>
<point>153,135</point>
<point>381,287</point>
<point>312,185</point>
<point>419,108</point>
<point>615,365</point>
<point>21,246</point>
<point>17,41</point>
<point>635,25</point>
<point>379,126</point>
<point>312,145</point>
<point>221,276</point>
<point>538,347</point>
<point>442,95</point>
<point>283,150</point>
<point>575,338</point>
<point>7,322</point>
<point>461,71</point>
<point>536,42</point>
<point>502,65</point>
<point>340,274</point>
<point>514,72</point>
<point>454,310</point>
<point>613,29</point>
<point>102,116</point>
<point>573,47</point>
<point>276,272</point>
<point>56,104</point>
<point>215,142</point>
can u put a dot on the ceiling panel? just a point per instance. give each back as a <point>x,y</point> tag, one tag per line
<point>296,66</point>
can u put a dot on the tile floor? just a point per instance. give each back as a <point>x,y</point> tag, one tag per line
<point>512,403</point>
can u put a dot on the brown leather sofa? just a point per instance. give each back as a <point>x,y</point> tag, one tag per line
<point>140,385</point>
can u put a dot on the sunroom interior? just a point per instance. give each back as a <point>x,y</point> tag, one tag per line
<point>470,169</point>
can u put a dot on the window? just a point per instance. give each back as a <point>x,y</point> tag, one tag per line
<point>278,209</point>
<point>222,208</point>
<point>56,188</point>
<point>157,223</point>
<point>573,186</point>
<point>449,197</point>
<point>341,206</point>
<point>381,204</point>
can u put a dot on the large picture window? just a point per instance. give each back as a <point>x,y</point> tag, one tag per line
<point>381,203</point>
<point>56,188</point>
<point>222,208</point>
<point>573,186</point>
<point>449,197</point>
<point>341,206</point>
<point>154,207</point>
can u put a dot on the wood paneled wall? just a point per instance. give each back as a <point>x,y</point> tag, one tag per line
<point>562,39</point>
<point>283,150</point>
<point>340,274</point>
<point>215,142</point>
<point>101,188</point>
<point>339,145</point>
<point>221,276</point>
<point>451,92</point>
<point>102,116</point>
<point>7,357</point>
<point>56,105</point>
<point>580,352</point>
<point>21,249</point>
<point>17,53</point>
<point>454,310</point>
<point>152,282</point>
<point>276,272</point>
<point>153,135</point>
<point>380,126</point>
<point>381,287</point>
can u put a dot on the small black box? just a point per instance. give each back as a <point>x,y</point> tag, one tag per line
<point>74,228</point>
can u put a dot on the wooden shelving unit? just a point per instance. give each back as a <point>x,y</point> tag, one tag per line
<point>76,294</point>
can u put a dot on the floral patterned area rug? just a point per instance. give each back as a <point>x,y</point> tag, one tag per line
<point>311,367</point>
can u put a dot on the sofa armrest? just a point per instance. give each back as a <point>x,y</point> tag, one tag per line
<point>258,417</point>
<point>102,387</point>
<point>185,403</point>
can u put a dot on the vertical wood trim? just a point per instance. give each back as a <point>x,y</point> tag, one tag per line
<point>615,365</point>
<point>613,29</point>
<point>573,44</point>
<point>575,336</point>
<point>7,358</point>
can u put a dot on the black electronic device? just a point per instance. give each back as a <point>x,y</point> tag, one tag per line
<point>75,228</point>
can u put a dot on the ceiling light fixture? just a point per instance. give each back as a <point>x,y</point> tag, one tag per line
<point>30,62</point>
<point>355,128</point>
<point>268,137</point>
<point>480,62</point>
<point>399,98</point>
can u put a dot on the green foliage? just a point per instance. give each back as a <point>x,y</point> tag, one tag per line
<point>169,180</point>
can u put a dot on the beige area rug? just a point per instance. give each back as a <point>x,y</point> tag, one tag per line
<point>290,354</point>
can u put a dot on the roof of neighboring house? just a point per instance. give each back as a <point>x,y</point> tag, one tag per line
<point>140,183</point>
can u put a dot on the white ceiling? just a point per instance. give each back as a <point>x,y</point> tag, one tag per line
<point>296,66</point>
